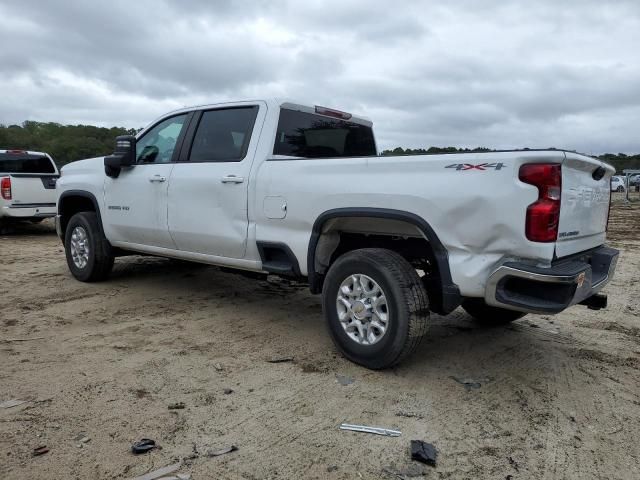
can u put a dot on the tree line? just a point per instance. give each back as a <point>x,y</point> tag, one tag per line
<point>66,143</point>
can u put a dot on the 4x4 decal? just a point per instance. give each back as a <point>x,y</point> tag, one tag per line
<point>480,166</point>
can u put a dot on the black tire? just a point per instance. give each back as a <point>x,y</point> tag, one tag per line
<point>407,306</point>
<point>100,260</point>
<point>620,189</point>
<point>488,315</point>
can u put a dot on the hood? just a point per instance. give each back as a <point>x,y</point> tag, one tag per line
<point>88,164</point>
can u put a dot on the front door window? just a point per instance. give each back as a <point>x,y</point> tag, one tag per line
<point>158,144</point>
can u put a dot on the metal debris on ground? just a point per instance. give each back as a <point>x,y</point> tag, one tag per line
<point>40,450</point>
<point>143,446</point>
<point>176,406</point>
<point>280,360</point>
<point>221,451</point>
<point>402,413</point>
<point>8,340</point>
<point>366,429</point>
<point>82,438</point>
<point>227,391</point>
<point>470,383</point>
<point>423,452</point>
<point>11,403</point>
<point>344,379</point>
<point>161,472</point>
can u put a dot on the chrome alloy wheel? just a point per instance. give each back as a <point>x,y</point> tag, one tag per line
<point>362,309</point>
<point>80,247</point>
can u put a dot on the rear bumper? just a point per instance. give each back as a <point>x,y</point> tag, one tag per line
<point>29,210</point>
<point>527,288</point>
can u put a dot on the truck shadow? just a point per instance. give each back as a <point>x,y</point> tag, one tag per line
<point>17,229</point>
<point>287,313</point>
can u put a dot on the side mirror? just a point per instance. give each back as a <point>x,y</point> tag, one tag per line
<point>124,155</point>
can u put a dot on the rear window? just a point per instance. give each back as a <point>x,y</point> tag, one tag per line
<point>24,163</point>
<point>302,134</point>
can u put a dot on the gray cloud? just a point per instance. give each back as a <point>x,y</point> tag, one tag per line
<point>500,74</point>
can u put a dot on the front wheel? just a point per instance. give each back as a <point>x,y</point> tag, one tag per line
<point>488,315</point>
<point>376,307</point>
<point>620,189</point>
<point>86,248</point>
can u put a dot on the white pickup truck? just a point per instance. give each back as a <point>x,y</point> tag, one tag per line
<point>277,187</point>
<point>27,186</point>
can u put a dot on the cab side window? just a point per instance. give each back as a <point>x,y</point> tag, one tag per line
<point>223,135</point>
<point>159,143</point>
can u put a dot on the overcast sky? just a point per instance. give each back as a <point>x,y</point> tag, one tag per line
<point>500,74</point>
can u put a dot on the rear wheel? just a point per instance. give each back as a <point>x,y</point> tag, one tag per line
<point>87,250</point>
<point>376,307</point>
<point>620,189</point>
<point>488,315</point>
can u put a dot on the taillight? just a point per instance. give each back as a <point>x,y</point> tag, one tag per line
<point>543,216</point>
<point>5,188</point>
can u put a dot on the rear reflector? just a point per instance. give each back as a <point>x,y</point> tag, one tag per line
<point>543,216</point>
<point>333,113</point>
<point>16,152</point>
<point>5,188</point>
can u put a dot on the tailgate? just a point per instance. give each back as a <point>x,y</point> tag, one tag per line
<point>33,189</point>
<point>584,207</point>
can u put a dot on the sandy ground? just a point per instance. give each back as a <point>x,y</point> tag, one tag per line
<point>559,395</point>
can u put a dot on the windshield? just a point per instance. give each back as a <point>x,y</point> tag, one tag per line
<point>25,163</point>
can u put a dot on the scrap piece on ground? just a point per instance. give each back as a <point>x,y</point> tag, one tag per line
<point>470,383</point>
<point>228,391</point>
<point>366,429</point>
<point>40,450</point>
<point>221,451</point>
<point>143,446</point>
<point>82,438</point>
<point>280,359</point>
<point>12,403</point>
<point>176,406</point>
<point>402,413</point>
<point>344,379</point>
<point>8,340</point>
<point>423,452</point>
<point>161,472</point>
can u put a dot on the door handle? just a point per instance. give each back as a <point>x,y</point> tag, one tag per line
<point>232,179</point>
<point>157,178</point>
